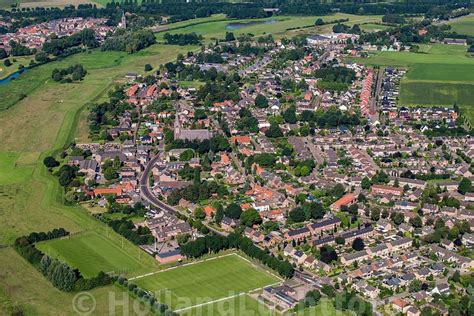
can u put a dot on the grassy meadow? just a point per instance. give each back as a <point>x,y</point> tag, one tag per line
<point>16,62</point>
<point>6,4</point>
<point>439,75</point>
<point>92,253</point>
<point>373,27</point>
<point>463,25</point>
<point>206,281</point>
<point>41,123</point>
<point>239,305</point>
<point>279,26</point>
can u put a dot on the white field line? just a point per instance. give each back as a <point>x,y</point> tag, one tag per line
<point>210,302</point>
<point>180,266</point>
<point>224,298</point>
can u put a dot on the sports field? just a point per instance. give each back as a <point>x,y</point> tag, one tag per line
<point>206,281</point>
<point>463,25</point>
<point>440,75</point>
<point>92,253</point>
<point>41,123</point>
<point>279,26</point>
<point>246,305</point>
<point>239,305</point>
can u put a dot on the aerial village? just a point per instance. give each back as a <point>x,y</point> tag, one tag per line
<point>302,152</point>
<point>34,36</point>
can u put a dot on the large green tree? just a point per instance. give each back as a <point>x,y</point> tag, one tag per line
<point>250,217</point>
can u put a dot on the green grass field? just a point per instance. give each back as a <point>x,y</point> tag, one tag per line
<point>22,286</point>
<point>326,308</point>
<point>16,61</point>
<point>206,281</point>
<point>441,75</point>
<point>372,27</point>
<point>239,305</point>
<point>246,305</point>
<point>92,253</point>
<point>464,25</point>
<point>31,198</point>
<point>215,26</point>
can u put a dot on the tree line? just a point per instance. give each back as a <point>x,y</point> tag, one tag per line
<point>60,274</point>
<point>216,243</point>
<point>215,144</point>
<point>183,39</point>
<point>335,78</point>
<point>146,297</point>
<point>125,227</point>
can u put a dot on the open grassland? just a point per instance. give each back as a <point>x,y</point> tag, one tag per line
<point>463,25</point>
<point>373,27</point>
<point>16,62</point>
<point>440,75</point>
<point>431,54</point>
<point>41,123</point>
<point>436,93</point>
<point>206,281</point>
<point>442,72</point>
<point>279,26</point>
<point>6,4</point>
<point>92,253</point>
<point>24,287</point>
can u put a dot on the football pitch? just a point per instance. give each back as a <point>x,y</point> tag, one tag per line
<point>200,283</point>
<point>92,253</point>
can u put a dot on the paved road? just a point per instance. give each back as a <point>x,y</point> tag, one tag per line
<point>373,110</point>
<point>146,191</point>
<point>318,155</point>
<point>147,194</point>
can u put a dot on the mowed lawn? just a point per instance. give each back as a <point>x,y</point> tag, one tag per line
<point>206,281</point>
<point>246,305</point>
<point>236,306</point>
<point>372,27</point>
<point>92,253</point>
<point>463,25</point>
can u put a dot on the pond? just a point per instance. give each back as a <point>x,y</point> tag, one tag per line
<point>13,76</point>
<point>239,25</point>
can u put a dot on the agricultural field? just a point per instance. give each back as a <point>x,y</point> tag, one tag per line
<point>41,123</point>
<point>206,281</point>
<point>463,25</point>
<point>439,75</point>
<point>278,26</point>
<point>92,253</point>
